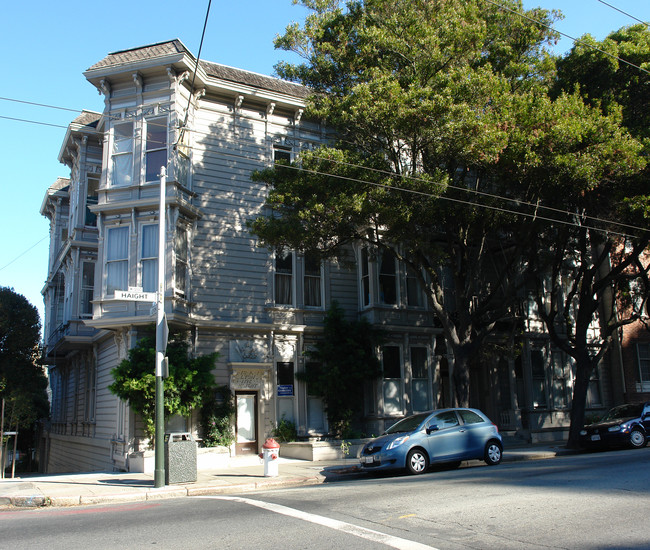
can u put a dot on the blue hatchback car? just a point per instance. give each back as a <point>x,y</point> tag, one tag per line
<point>444,435</point>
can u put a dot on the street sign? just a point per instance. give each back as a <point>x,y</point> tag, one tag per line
<point>135,296</point>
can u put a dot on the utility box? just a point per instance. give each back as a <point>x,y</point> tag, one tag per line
<point>180,458</point>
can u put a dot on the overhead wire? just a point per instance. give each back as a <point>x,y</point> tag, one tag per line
<point>575,40</point>
<point>472,191</point>
<point>469,191</point>
<point>623,12</point>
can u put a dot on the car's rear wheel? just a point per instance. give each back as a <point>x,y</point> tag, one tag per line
<point>637,438</point>
<point>417,461</point>
<point>493,453</point>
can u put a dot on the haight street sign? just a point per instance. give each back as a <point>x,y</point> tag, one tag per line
<point>135,295</point>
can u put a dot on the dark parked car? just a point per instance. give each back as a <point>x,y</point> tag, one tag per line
<point>445,435</point>
<point>625,425</point>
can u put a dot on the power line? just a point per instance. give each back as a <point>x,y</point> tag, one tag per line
<point>391,174</point>
<point>623,12</point>
<point>23,253</point>
<point>40,123</point>
<point>575,40</point>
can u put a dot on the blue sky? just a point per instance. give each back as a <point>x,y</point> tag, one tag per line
<point>48,45</point>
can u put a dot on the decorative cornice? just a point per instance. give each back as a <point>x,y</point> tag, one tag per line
<point>104,87</point>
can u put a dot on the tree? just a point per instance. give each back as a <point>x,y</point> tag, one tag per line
<point>593,263</point>
<point>23,384</point>
<point>446,141</point>
<point>188,387</point>
<point>344,360</point>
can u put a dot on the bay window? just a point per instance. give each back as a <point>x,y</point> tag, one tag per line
<point>149,258</point>
<point>392,383</point>
<point>388,278</point>
<point>181,260</point>
<point>312,282</point>
<point>284,278</point>
<point>420,378</point>
<point>155,148</point>
<point>117,259</point>
<point>87,288</point>
<point>122,155</point>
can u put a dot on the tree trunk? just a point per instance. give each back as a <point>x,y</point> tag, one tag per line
<point>583,374</point>
<point>461,380</point>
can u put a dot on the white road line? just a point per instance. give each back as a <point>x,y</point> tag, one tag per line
<point>369,534</point>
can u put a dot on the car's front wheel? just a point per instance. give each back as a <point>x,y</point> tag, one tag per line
<point>637,438</point>
<point>417,461</point>
<point>493,453</point>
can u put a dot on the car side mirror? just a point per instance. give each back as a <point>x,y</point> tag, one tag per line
<point>432,428</point>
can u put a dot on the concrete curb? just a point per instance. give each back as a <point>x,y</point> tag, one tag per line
<point>221,486</point>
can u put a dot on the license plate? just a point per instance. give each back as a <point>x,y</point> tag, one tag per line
<point>367,459</point>
<point>595,437</point>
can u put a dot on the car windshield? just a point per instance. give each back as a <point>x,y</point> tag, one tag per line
<point>407,424</point>
<point>623,411</point>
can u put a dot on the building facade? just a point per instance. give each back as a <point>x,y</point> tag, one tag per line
<point>260,311</point>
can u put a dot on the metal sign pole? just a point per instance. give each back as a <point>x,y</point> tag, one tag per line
<point>159,442</point>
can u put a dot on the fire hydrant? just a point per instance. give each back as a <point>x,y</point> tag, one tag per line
<point>270,455</point>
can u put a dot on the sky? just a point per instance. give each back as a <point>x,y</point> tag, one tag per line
<point>48,45</point>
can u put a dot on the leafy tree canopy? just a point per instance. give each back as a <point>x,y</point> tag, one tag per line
<point>190,382</point>
<point>447,144</point>
<point>22,379</point>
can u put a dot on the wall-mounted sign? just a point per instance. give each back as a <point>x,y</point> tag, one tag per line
<point>285,390</point>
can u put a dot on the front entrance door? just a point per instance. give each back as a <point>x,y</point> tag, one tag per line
<point>246,423</point>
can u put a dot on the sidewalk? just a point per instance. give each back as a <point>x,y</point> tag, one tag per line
<point>243,475</point>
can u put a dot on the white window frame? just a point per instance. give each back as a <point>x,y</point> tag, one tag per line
<point>126,258</point>
<point>181,262</point>
<point>411,279</point>
<point>395,276</point>
<point>643,357</point>
<point>149,258</point>
<point>156,148</point>
<point>292,283</point>
<point>116,154</point>
<point>310,277</point>
<point>392,383</point>
<point>365,278</point>
<point>426,381</point>
<point>84,289</point>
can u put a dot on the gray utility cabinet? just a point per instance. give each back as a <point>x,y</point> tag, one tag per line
<point>180,458</point>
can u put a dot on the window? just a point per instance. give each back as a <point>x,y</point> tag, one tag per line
<point>561,380</point>
<point>539,379</point>
<point>312,283</point>
<point>284,278</point>
<point>181,257</point>
<point>414,296</point>
<point>420,379</point>
<point>282,154</point>
<point>444,420</point>
<point>593,391</point>
<point>149,258</point>
<point>365,277</point>
<point>87,288</point>
<point>392,383</point>
<point>122,155</point>
<point>155,148</point>
<point>470,417</point>
<point>92,195</point>
<point>91,390</point>
<point>388,278</point>
<point>285,379</point>
<point>117,259</point>
<point>643,355</point>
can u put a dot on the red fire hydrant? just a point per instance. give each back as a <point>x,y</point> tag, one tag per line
<point>270,454</point>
